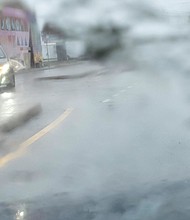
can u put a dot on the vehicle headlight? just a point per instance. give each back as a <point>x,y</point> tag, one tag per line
<point>5,68</point>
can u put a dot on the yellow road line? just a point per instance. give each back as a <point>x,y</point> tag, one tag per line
<point>22,148</point>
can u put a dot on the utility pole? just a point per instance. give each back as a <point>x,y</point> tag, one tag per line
<point>47,40</point>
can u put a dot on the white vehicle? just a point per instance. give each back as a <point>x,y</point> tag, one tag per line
<point>7,77</point>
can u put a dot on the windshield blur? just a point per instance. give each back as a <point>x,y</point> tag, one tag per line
<point>97,126</point>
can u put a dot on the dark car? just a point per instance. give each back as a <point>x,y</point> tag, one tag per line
<point>7,77</point>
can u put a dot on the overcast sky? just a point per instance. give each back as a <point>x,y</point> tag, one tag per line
<point>44,8</point>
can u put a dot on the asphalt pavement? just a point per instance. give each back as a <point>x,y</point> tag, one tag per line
<point>16,109</point>
<point>104,146</point>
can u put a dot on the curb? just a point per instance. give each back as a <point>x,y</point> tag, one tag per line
<point>20,119</point>
<point>74,76</point>
<point>48,68</point>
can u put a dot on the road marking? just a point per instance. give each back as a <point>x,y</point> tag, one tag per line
<point>23,147</point>
<point>107,100</point>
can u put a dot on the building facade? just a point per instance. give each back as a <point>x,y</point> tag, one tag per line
<point>19,34</point>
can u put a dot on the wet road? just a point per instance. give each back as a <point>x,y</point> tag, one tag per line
<point>118,133</point>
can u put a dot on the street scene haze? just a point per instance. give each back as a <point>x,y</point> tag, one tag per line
<point>94,110</point>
